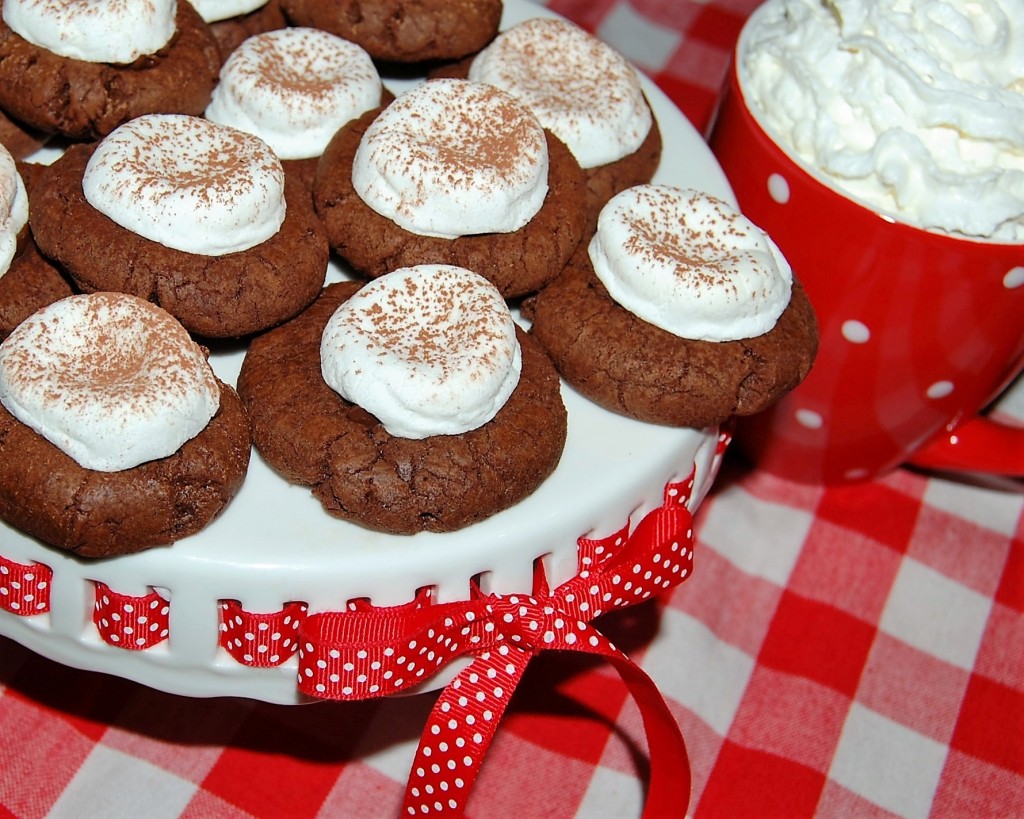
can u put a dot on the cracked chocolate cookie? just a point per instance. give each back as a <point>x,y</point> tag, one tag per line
<point>102,514</point>
<point>363,473</point>
<point>86,100</point>
<point>214,289</point>
<point>404,30</point>
<point>115,435</point>
<point>448,210</point>
<point>725,351</point>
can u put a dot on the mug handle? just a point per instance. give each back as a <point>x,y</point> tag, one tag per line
<point>976,445</point>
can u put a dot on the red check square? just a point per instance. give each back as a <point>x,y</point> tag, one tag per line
<point>717,26</point>
<point>991,722</point>
<point>877,510</point>
<point>749,783</point>
<point>816,641</point>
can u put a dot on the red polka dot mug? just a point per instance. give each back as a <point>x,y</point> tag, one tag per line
<point>919,330</point>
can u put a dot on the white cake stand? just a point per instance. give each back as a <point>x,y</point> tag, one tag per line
<point>274,544</point>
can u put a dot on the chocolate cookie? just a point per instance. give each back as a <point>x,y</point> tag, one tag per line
<point>404,30</point>
<point>516,263</point>
<point>31,172</point>
<point>360,472</point>
<point>46,494</point>
<point>632,367</point>
<point>602,181</point>
<point>19,139</point>
<point>232,31</point>
<point>30,283</point>
<point>215,296</point>
<point>84,100</point>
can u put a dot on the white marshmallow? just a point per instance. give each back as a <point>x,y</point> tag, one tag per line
<point>96,31</point>
<point>13,208</point>
<point>581,89</point>
<point>428,350</point>
<point>188,184</point>
<point>453,158</point>
<point>214,10</point>
<point>690,264</point>
<point>294,88</point>
<point>110,379</point>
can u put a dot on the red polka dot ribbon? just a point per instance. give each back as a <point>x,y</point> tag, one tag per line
<point>130,621</point>
<point>370,652</point>
<point>261,640</point>
<point>24,587</point>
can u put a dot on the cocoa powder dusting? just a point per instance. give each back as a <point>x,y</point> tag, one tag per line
<point>432,327</point>
<point>123,349</point>
<point>699,247</point>
<point>188,154</point>
<point>479,129</point>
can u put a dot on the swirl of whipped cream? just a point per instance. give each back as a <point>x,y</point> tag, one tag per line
<point>110,379</point>
<point>916,109</point>
<point>453,158</point>
<point>581,89</point>
<point>294,88</point>
<point>214,10</point>
<point>188,184</point>
<point>428,350</point>
<point>95,31</point>
<point>13,208</point>
<point>690,264</point>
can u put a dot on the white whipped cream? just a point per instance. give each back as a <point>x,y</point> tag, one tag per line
<point>453,158</point>
<point>428,350</point>
<point>294,88</point>
<point>188,184</point>
<point>96,31</point>
<point>110,379</point>
<point>690,264</point>
<point>213,10</point>
<point>13,208</point>
<point>914,108</point>
<point>581,89</point>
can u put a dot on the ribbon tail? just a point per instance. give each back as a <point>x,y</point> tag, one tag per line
<point>459,731</point>
<point>668,792</point>
<point>465,719</point>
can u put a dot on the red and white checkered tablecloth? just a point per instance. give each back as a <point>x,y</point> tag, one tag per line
<point>844,652</point>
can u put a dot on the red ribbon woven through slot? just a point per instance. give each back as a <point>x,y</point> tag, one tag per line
<point>260,640</point>
<point>129,621</point>
<point>24,588</point>
<point>370,652</point>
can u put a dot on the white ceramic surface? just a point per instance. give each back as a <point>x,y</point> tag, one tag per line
<point>275,544</point>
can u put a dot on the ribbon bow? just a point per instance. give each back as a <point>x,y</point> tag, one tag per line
<point>371,652</point>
